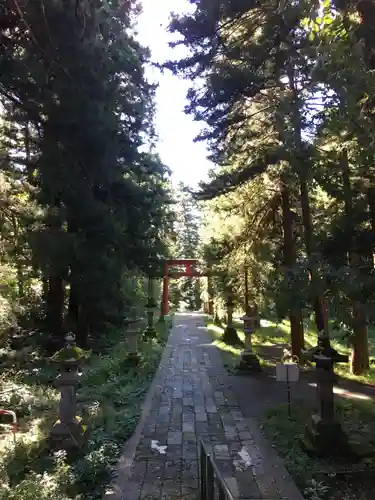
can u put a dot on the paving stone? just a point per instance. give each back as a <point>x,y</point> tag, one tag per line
<point>188,427</point>
<point>247,485</point>
<point>241,426</point>
<point>138,471</point>
<point>221,451</point>
<point>233,487</point>
<point>189,452</point>
<point>173,452</point>
<point>133,491</point>
<point>174,437</point>
<point>188,417</point>
<point>150,491</point>
<point>230,433</point>
<point>189,438</point>
<point>194,400</point>
<point>190,491</point>
<point>173,469</point>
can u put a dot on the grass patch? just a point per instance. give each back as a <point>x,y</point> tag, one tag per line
<point>109,401</point>
<point>231,354</point>
<point>272,333</point>
<point>318,478</point>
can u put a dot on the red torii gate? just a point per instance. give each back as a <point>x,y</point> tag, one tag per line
<point>189,271</point>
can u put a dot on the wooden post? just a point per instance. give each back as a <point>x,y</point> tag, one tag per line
<point>247,310</point>
<point>165,290</point>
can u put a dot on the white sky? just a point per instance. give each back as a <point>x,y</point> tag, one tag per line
<point>176,130</point>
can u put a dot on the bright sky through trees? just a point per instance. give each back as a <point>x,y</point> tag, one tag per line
<point>175,129</point>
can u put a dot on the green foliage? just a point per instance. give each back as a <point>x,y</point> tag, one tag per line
<point>285,96</point>
<point>110,401</point>
<point>317,477</point>
<point>86,201</point>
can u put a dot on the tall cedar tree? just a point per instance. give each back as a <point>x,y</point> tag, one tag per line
<point>251,54</point>
<point>89,108</point>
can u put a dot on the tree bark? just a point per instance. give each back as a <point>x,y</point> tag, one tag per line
<point>321,319</point>
<point>55,305</point>
<point>210,294</point>
<point>73,309</point>
<point>296,325</point>
<point>359,361</point>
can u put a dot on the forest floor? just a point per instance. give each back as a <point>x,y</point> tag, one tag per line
<point>109,400</point>
<point>355,409</point>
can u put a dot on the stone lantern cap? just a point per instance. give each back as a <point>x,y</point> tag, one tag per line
<point>70,353</point>
<point>320,354</point>
<point>337,358</point>
<point>131,321</point>
<point>250,323</point>
<point>248,318</point>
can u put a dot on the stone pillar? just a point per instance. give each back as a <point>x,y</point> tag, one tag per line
<point>132,333</point>
<point>249,360</point>
<point>68,430</point>
<point>325,436</point>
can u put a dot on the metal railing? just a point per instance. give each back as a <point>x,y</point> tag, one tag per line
<point>209,476</point>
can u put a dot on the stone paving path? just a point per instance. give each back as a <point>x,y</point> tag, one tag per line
<point>193,400</point>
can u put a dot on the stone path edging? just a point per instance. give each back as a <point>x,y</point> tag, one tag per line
<point>123,468</point>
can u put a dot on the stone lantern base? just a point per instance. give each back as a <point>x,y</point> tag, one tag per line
<point>67,436</point>
<point>249,360</point>
<point>326,438</point>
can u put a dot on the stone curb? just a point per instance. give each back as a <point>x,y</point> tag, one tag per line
<point>116,490</point>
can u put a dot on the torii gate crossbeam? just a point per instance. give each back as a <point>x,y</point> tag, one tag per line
<point>189,272</point>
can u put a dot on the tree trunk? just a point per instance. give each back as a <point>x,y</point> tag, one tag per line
<point>359,362</point>
<point>55,305</point>
<point>296,325</point>
<point>73,308</point>
<point>371,205</point>
<point>321,319</point>
<point>82,331</point>
<point>210,294</point>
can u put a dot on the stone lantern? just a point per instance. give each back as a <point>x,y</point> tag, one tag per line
<point>325,436</point>
<point>150,331</point>
<point>68,430</point>
<point>132,332</point>
<point>249,359</point>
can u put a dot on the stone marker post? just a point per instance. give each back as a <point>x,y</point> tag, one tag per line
<point>249,360</point>
<point>68,430</point>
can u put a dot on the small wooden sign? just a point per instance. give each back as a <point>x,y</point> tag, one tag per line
<point>287,372</point>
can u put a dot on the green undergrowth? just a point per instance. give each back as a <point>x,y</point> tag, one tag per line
<point>110,399</point>
<point>231,354</point>
<point>321,479</point>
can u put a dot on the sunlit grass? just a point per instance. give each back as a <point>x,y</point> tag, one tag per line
<point>311,472</point>
<point>273,333</point>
